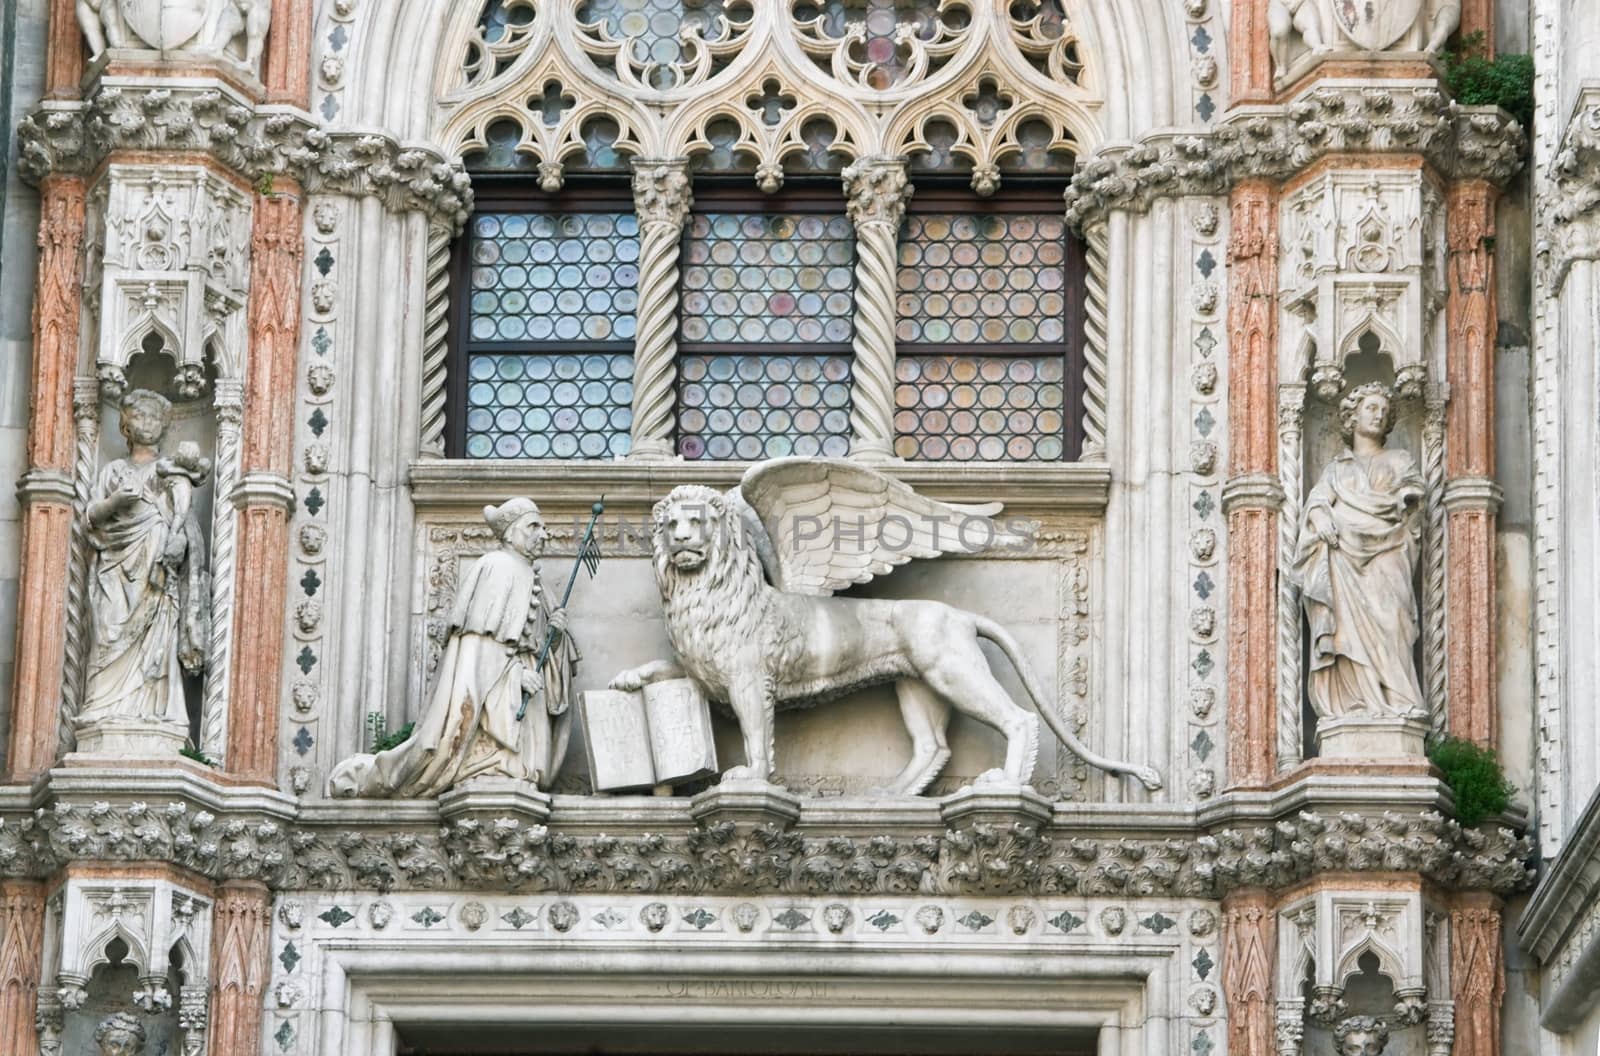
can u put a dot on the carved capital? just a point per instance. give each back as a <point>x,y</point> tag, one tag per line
<point>877,191</point>
<point>1473,495</point>
<point>662,191</point>
<point>1252,491</point>
<point>263,489</point>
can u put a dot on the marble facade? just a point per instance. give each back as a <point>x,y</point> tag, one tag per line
<point>253,209</point>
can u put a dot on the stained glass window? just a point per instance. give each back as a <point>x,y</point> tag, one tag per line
<point>548,326</point>
<point>765,325</point>
<point>984,333</point>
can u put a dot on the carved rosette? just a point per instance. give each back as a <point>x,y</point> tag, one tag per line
<point>877,191</point>
<point>662,196</point>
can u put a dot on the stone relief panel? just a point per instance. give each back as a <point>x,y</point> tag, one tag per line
<point>810,755</point>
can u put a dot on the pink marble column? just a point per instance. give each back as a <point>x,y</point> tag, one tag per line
<point>21,960</point>
<point>266,446</point>
<point>239,968</point>
<point>1250,499</point>
<point>1249,949</point>
<point>46,489</point>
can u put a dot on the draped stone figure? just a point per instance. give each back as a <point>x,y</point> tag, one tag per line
<point>1359,541</point>
<point>497,628</point>
<point>149,590</point>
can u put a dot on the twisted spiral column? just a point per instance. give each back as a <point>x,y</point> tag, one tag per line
<point>1435,646</point>
<point>1291,401</point>
<point>86,414</point>
<point>877,192</point>
<point>661,197</point>
<point>435,338</point>
<point>214,713</point>
<point>1097,246</point>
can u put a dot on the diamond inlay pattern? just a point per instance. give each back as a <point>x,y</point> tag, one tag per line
<point>774,278</point>
<point>752,407</point>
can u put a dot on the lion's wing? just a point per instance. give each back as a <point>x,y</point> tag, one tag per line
<point>832,523</point>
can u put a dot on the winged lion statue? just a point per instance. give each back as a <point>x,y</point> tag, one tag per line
<point>747,578</point>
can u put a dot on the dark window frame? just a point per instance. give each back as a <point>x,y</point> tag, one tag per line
<point>513,193</point>
<point>1016,196</point>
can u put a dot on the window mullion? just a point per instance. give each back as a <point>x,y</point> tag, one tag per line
<point>662,197</point>
<point>877,192</point>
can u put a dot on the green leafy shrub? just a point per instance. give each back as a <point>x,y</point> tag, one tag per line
<point>400,736</point>
<point>1476,78</point>
<point>197,755</point>
<point>1475,779</point>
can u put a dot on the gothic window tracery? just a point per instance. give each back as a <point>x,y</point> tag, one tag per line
<point>763,110</point>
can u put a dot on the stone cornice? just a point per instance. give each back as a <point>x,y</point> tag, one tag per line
<point>209,116</point>
<point>581,844</point>
<point>1276,142</point>
<point>1071,487</point>
<point>1569,887</point>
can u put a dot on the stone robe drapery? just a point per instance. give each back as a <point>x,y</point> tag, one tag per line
<point>148,596</point>
<point>470,729</point>
<point>1359,596</point>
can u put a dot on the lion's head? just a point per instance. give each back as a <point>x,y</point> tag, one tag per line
<point>691,529</point>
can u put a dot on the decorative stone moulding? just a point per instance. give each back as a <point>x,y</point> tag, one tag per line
<point>1276,142</point>
<point>496,841</point>
<point>1363,253</point>
<point>1322,939</point>
<point>174,266</point>
<point>163,923</point>
<point>210,116</point>
<point>1574,229</point>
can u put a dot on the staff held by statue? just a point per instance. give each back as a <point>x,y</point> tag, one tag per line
<point>588,559</point>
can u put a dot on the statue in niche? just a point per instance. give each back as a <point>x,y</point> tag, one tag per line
<point>746,577</point>
<point>498,628</point>
<point>1361,1036</point>
<point>1359,540</point>
<point>149,589</point>
<point>202,26</point>
<point>120,1034</point>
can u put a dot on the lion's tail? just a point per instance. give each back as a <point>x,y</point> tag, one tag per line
<point>997,634</point>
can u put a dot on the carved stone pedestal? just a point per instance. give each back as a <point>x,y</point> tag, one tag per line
<point>747,804</point>
<point>1383,738</point>
<point>994,805</point>
<point>114,738</point>
<point>495,797</point>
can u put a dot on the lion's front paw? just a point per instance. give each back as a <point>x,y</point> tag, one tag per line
<point>630,681</point>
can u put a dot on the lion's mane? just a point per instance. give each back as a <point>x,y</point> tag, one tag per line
<point>722,608</point>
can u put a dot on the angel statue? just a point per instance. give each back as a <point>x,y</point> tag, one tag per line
<point>498,629</point>
<point>746,579</point>
<point>1357,553</point>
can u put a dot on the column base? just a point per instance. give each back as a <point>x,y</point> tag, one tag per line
<point>997,806</point>
<point>1372,738</point>
<point>653,451</point>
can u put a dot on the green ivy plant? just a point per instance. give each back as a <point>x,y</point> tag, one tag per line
<point>1476,78</point>
<point>190,752</point>
<point>400,736</point>
<point>1475,779</point>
